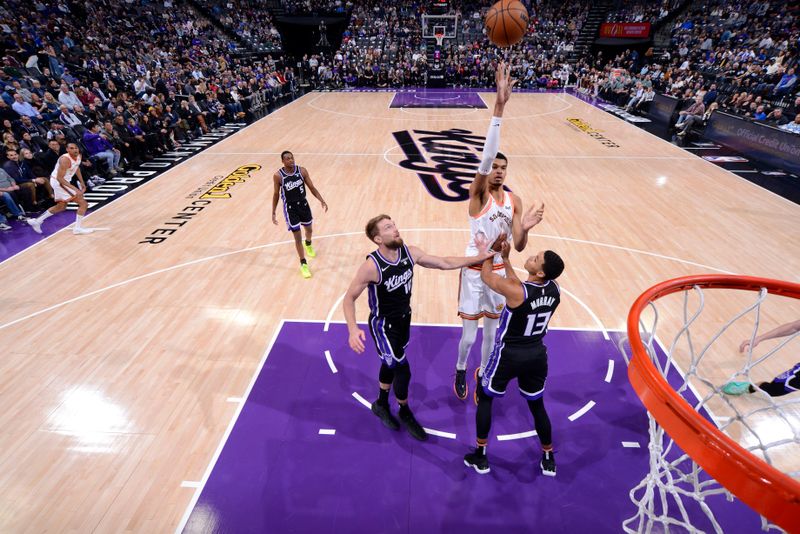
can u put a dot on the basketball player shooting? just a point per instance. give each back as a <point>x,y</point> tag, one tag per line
<point>492,211</point>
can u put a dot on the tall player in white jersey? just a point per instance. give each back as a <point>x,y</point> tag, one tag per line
<point>493,212</point>
<point>64,191</point>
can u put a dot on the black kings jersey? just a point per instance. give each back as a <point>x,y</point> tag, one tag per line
<point>527,323</point>
<point>293,187</point>
<point>391,295</point>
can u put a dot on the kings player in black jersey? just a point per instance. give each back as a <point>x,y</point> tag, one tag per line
<point>290,182</point>
<point>519,351</point>
<point>388,273</point>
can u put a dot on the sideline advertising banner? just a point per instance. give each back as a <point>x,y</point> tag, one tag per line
<point>625,30</point>
<point>760,142</point>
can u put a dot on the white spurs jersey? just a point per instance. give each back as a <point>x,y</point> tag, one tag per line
<point>493,220</point>
<point>73,168</point>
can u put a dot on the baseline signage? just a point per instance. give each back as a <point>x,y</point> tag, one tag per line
<point>661,108</point>
<point>756,141</point>
<point>625,30</point>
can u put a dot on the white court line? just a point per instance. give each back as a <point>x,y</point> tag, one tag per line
<point>459,325</point>
<point>327,431</point>
<point>449,325</point>
<point>432,432</point>
<point>330,362</point>
<point>234,399</point>
<point>631,444</point>
<point>190,484</point>
<point>511,156</point>
<point>362,400</point>
<point>610,372</point>
<point>341,234</point>
<point>226,435</point>
<point>589,405</point>
<point>330,313</point>
<point>521,435</point>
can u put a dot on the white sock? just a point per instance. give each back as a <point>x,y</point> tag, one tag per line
<point>78,219</point>
<point>489,330</point>
<point>40,219</point>
<point>468,334</point>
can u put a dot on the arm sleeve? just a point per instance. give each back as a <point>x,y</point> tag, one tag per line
<point>490,147</point>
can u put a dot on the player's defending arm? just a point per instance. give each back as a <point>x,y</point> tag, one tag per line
<point>522,224</point>
<point>477,188</point>
<point>423,259</point>
<point>781,331</point>
<point>276,180</point>
<point>368,272</point>
<point>511,287</point>
<point>313,189</point>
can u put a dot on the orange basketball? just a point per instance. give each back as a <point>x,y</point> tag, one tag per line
<point>506,22</point>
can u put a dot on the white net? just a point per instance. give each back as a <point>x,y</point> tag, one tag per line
<point>729,388</point>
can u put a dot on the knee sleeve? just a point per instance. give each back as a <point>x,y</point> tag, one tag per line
<point>402,377</point>
<point>386,374</point>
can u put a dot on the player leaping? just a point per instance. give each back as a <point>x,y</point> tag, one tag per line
<point>492,211</point>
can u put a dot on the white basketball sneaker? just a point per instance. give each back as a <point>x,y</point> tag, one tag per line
<point>35,224</point>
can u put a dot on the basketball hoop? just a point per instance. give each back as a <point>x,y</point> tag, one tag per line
<point>439,36</point>
<point>710,461</point>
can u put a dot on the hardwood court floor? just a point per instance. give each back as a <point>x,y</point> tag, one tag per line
<point>123,360</point>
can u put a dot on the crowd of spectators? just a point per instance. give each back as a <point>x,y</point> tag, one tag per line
<point>124,89</point>
<point>250,20</point>
<point>737,56</point>
<point>383,46</point>
<point>641,11</point>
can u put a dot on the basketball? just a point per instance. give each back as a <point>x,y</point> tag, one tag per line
<point>506,22</point>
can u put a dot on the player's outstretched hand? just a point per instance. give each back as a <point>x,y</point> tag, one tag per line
<point>746,343</point>
<point>504,82</point>
<point>505,250</point>
<point>356,340</point>
<point>274,219</point>
<point>533,216</point>
<point>325,206</point>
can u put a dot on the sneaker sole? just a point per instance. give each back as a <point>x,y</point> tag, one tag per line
<point>477,469</point>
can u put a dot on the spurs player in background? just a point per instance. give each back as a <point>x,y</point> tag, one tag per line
<point>493,211</point>
<point>64,191</point>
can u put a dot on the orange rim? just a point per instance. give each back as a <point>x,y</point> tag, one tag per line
<point>771,493</point>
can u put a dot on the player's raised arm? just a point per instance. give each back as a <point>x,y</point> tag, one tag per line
<point>477,189</point>
<point>368,272</point>
<point>510,288</point>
